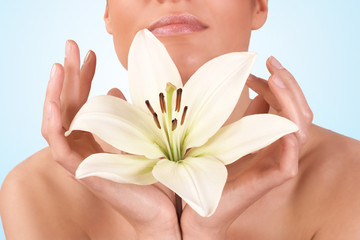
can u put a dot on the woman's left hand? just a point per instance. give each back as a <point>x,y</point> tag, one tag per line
<point>256,174</point>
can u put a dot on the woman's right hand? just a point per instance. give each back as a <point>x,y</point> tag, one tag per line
<point>150,209</point>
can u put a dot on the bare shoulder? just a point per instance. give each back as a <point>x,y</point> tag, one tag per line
<point>32,201</point>
<point>39,197</point>
<point>329,185</point>
<point>334,156</point>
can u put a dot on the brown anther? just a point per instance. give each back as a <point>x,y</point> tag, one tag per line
<point>184,115</point>
<point>156,120</point>
<point>174,124</point>
<point>178,99</point>
<point>162,102</point>
<point>149,107</point>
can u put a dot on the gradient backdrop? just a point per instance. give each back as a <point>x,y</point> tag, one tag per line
<point>318,41</point>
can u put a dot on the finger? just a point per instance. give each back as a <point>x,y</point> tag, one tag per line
<point>290,108</point>
<point>292,102</point>
<point>115,92</point>
<point>261,87</point>
<point>287,163</point>
<point>257,106</point>
<point>52,128</point>
<point>70,96</point>
<point>53,92</point>
<point>273,169</point>
<point>286,79</point>
<point>87,72</point>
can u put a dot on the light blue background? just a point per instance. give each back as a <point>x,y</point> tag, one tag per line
<point>318,41</point>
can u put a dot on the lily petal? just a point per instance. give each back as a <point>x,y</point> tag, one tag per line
<point>120,124</point>
<point>212,94</point>
<point>119,168</point>
<point>149,69</point>
<point>199,181</point>
<point>249,134</point>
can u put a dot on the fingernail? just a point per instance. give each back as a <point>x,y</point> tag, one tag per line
<point>53,71</point>
<point>275,63</point>
<point>251,78</point>
<point>49,110</point>
<point>278,82</point>
<point>67,49</point>
<point>87,56</point>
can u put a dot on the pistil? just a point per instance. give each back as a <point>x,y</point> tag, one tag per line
<point>170,88</point>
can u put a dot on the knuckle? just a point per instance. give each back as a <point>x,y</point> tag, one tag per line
<point>308,115</point>
<point>293,144</point>
<point>54,156</point>
<point>283,73</point>
<point>290,171</point>
<point>57,157</point>
<point>277,74</point>
<point>303,136</point>
<point>291,141</point>
<point>44,132</point>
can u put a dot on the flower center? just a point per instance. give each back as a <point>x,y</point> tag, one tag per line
<point>168,122</point>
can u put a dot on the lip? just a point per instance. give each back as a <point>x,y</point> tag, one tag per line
<point>175,24</point>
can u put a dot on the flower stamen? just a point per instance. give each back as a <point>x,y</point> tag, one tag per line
<point>167,125</point>
<point>174,124</point>
<point>156,120</point>
<point>162,102</point>
<point>147,102</point>
<point>184,115</point>
<point>178,99</point>
<point>155,116</point>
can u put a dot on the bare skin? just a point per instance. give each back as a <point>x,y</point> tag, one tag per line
<point>321,202</point>
<point>304,186</point>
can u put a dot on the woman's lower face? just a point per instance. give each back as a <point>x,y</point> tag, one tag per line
<point>192,31</point>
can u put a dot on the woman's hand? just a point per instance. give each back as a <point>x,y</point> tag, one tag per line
<point>150,209</point>
<point>256,174</point>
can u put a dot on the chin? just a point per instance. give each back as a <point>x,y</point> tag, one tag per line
<point>188,65</point>
<point>189,59</point>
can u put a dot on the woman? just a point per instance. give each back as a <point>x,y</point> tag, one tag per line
<point>301,187</point>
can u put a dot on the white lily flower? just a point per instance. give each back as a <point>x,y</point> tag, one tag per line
<point>172,133</point>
